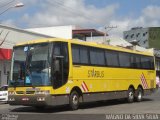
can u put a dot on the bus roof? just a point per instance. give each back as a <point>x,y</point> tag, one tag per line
<point>85,43</point>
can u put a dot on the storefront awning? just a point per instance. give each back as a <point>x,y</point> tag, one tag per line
<point>5,54</point>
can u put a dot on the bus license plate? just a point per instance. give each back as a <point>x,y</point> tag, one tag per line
<point>25,99</point>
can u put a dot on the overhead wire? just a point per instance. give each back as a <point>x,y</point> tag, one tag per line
<point>73,11</point>
<point>60,3</point>
<point>6,4</point>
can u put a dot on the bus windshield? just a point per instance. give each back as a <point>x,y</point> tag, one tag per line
<point>30,65</point>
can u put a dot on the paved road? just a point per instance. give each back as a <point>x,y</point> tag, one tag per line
<point>150,104</point>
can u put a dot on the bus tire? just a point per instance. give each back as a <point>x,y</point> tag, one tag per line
<point>74,100</point>
<point>139,95</point>
<point>130,95</point>
<point>157,86</point>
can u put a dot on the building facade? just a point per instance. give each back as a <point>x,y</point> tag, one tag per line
<point>145,37</point>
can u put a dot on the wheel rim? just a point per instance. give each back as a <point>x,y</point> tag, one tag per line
<point>139,95</point>
<point>75,99</point>
<point>131,96</point>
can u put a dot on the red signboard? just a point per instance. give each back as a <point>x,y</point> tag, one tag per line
<point>5,54</point>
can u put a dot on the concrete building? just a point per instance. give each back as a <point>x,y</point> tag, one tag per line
<point>68,32</point>
<point>147,38</point>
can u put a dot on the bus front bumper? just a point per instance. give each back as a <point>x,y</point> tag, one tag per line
<point>38,100</point>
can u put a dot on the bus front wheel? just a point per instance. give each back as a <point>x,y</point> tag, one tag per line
<point>130,95</point>
<point>74,100</point>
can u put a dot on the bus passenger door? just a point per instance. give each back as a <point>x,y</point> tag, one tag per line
<point>60,67</point>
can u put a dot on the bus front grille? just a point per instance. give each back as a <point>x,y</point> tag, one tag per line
<point>20,92</point>
<point>30,92</point>
<point>23,92</point>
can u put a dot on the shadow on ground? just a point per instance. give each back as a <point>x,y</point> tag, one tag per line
<point>57,109</point>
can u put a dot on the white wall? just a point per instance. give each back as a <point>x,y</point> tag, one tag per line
<point>14,35</point>
<point>58,31</point>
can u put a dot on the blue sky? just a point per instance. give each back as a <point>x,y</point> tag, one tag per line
<point>126,6</point>
<point>87,13</point>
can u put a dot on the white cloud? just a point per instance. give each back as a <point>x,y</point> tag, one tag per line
<point>152,12</point>
<point>69,12</point>
<point>149,18</point>
<point>9,22</point>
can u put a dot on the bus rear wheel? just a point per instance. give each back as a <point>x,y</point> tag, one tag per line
<point>130,95</point>
<point>139,95</point>
<point>74,100</point>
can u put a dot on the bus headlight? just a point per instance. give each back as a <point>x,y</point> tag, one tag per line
<point>46,92</point>
<point>11,99</point>
<point>11,93</point>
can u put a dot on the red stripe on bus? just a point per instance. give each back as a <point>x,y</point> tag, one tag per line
<point>145,80</point>
<point>142,81</point>
<point>83,88</point>
<point>86,86</point>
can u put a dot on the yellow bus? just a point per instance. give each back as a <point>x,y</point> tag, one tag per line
<point>56,71</point>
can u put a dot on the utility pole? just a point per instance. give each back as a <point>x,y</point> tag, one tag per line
<point>107,29</point>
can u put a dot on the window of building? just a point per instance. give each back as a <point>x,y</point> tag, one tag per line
<point>145,41</point>
<point>132,35</point>
<point>144,34</point>
<point>126,36</point>
<point>138,34</point>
